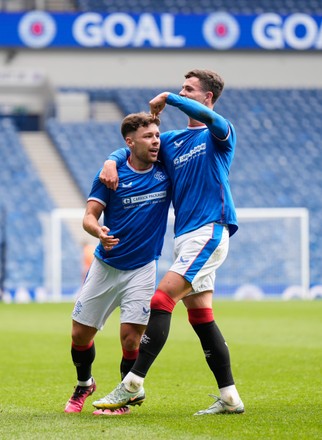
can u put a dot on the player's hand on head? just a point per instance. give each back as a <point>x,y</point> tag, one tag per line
<point>158,103</point>
<point>109,175</point>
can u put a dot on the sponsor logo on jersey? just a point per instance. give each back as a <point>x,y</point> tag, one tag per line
<point>196,151</point>
<point>144,198</point>
<point>177,144</point>
<point>183,260</point>
<point>37,29</point>
<point>126,185</point>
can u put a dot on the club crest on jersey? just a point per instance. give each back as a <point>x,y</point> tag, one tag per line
<point>159,176</point>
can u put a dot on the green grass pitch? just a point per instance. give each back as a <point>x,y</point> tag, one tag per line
<point>276,352</point>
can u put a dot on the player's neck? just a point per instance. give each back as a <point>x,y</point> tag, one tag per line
<point>193,123</point>
<point>139,165</point>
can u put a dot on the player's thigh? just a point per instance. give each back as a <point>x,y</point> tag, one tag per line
<point>99,295</point>
<point>201,300</point>
<point>137,293</point>
<point>174,285</point>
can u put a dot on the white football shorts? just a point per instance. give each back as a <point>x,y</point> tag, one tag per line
<point>199,253</point>
<point>107,288</point>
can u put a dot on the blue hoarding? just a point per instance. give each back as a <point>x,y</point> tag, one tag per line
<point>217,31</point>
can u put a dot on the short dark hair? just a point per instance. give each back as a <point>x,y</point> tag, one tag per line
<point>210,81</point>
<point>134,121</point>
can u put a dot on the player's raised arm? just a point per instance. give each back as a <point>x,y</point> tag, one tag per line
<point>158,103</point>
<point>197,111</point>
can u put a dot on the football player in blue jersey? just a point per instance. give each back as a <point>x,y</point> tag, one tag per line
<point>198,161</point>
<point>123,272</point>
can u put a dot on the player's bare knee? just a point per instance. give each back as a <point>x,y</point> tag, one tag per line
<point>131,342</point>
<point>82,334</point>
<point>131,336</point>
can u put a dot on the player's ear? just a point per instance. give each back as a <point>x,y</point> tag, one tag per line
<point>209,96</point>
<point>129,141</point>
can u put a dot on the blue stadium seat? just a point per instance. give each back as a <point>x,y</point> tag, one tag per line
<point>76,142</point>
<point>201,6</point>
<point>23,197</point>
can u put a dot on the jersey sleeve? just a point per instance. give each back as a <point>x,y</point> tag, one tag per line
<point>216,123</point>
<point>99,192</point>
<point>120,156</point>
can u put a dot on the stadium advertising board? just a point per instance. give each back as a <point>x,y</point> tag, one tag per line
<point>217,31</point>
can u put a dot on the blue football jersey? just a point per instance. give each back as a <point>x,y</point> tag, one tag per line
<point>198,161</point>
<point>136,213</point>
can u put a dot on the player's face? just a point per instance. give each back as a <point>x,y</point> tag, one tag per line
<point>145,145</point>
<point>192,89</point>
